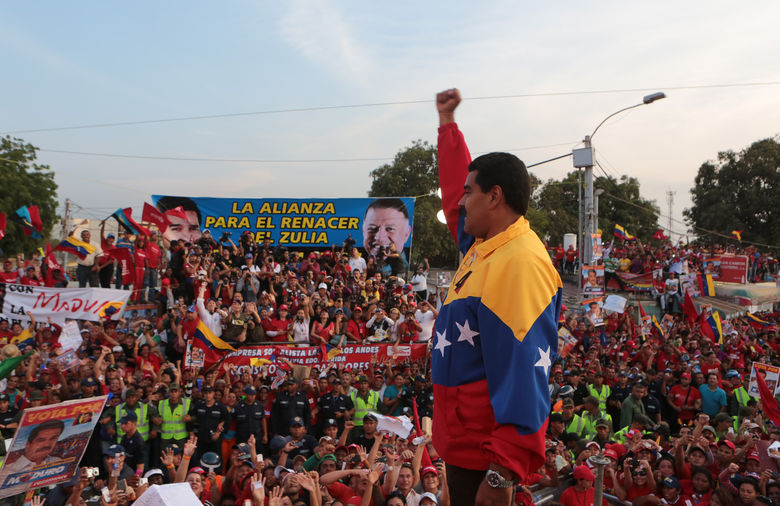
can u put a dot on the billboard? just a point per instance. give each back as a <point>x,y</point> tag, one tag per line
<point>373,223</point>
<point>727,268</point>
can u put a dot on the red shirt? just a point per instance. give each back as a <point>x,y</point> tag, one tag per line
<point>357,329</point>
<point>31,282</point>
<point>9,277</point>
<point>153,255</point>
<point>679,394</point>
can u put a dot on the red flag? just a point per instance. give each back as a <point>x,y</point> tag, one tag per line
<point>705,327</point>
<point>768,401</point>
<point>35,219</point>
<point>689,308</point>
<point>178,212</point>
<point>2,225</point>
<point>153,215</point>
<point>125,258</point>
<point>51,265</point>
<point>642,313</point>
<point>659,235</point>
<point>128,211</point>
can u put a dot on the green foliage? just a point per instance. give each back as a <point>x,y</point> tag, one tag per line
<point>739,191</point>
<point>554,208</point>
<point>414,172</point>
<point>25,183</point>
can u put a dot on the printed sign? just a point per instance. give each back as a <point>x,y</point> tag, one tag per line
<point>60,303</point>
<point>727,268</point>
<point>372,224</point>
<point>771,374</point>
<point>593,311</point>
<point>592,279</point>
<point>49,444</point>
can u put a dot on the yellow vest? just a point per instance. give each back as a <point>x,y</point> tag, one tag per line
<point>173,427</point>
<point>141,412</point>
<point>363,407</point>
<point>602,397</point>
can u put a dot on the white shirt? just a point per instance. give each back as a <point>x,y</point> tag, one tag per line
<point>426,321</point>
<point>357,264</point>
<point>212,320</point>
<point>89,260</point>
<point>301,331</point>
<point>419,282</point>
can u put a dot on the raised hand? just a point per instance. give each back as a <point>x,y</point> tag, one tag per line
<point>190,446</point>
<point>447,101</point>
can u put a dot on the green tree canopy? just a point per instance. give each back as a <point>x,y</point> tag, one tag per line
<point>738,191</point>
<point>25,183</point>
<point>414,172</point>
<point>554,208</point>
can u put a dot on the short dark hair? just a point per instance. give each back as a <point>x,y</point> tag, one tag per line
<point>47,425</point>
<point>389,203</point>
<point>508,172</point>
<point>167,203</point>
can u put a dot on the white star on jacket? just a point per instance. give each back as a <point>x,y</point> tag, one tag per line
<point>441,342</point>
<point>466,334</point>
<point>544,359</point>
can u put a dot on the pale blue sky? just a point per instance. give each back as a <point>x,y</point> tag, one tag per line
<point>75,63</point>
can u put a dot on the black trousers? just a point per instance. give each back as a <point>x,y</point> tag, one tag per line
<point>463,485</point>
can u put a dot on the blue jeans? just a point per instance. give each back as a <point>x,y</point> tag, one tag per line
<point>86,275</point>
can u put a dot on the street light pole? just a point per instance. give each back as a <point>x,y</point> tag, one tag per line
<point>583,159</point>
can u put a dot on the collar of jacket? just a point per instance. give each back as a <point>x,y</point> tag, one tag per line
<point>485,248</point>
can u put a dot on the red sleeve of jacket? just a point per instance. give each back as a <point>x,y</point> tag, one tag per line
<point>454,159</point>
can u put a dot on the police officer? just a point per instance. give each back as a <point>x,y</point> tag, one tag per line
<point>133,443</point>
<point>143,413</point>
<point>88,388</point>
<point>250,419</point>
<point>288,405</point>
<point>210,420</point>
<point>174,414</point>
<point>9,417</point>
<point>423,394</point>
<point>334,405</point>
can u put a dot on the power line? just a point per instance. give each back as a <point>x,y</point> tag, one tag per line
<point>267,160</point>
<point>383,104</point>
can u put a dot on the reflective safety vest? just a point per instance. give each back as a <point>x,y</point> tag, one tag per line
<point>602,397</point>
<point>173,427</point>
<point>142,414</point>
<point>576,425</point>
<point>362,407</point>
<point>742,396</point>
<point>590,421</point>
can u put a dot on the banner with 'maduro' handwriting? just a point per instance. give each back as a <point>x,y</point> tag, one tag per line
<point>60,303</point>
<point>373,223</point>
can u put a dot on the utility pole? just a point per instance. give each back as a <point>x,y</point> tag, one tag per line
<point>670,201</point>
<point>65,232</point>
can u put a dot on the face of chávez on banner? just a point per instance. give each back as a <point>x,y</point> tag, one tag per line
<point>49,444</point>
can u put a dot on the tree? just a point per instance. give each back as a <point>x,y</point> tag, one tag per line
<point>25,183</point>
<point>554,208</point>
<point>739,191</point>
<point>414,173</point>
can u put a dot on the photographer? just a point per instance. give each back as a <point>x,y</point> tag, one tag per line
<point>248,285</point>
<point>299,332</point>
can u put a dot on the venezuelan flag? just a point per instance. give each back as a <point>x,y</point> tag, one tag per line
<point>758,323</point>
<point>258,362</point>
<point>623,233</point>
<point>706,285</point>
<point>737,234</point>
<point>79,248</point>
<point>212,346</point>
<point>657,327</point>
<point>711,327</point>
<point>328,351</point>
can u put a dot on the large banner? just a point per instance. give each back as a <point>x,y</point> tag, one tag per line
<point>49,444</point>
<point>727,268</point>
<point>371,223</point>
<point>355,357</point>
<point>60,303</point>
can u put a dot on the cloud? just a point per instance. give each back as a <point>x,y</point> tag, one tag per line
<point>323,35</point>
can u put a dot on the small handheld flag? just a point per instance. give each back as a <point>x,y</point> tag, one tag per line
<point>623,233</point>
<point>79,248</point>
<point>737,234</point>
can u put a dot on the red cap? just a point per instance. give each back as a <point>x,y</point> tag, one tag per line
<point>429,469</point>
<point>685,375</point>
<point>728,443</point>
<point>753,455</point>
<point>611,454</point>
<point>284,307</point>
<point>583,472</point>
<point>631,343</point>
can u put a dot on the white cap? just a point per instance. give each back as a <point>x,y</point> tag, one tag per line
<point>322,285</point>
<point>152,472</point>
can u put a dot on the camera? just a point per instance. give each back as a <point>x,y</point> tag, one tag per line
<point>91,472</point>
<point>633,463</point>
<point>143,481</point>
<point>224,237</point>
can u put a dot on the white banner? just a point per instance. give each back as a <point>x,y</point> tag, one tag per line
<point>60,303</point>
<point>615,304</point>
